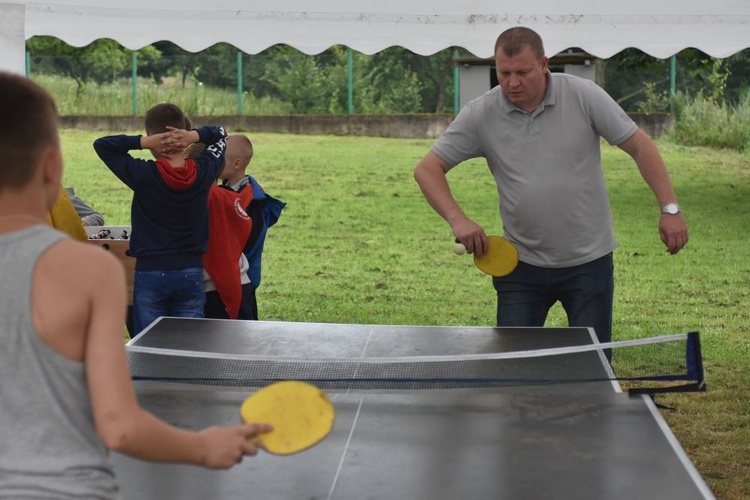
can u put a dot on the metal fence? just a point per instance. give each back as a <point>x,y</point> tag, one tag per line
<point>340,81</point>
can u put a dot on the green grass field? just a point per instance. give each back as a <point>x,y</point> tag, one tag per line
<point>358,243</point>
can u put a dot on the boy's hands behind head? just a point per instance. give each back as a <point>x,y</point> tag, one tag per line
<point>179,139</point>
<point>170,143</point>
<point>158,148</point>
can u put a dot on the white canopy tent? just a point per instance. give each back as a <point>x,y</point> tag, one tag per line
<point>603,28</point>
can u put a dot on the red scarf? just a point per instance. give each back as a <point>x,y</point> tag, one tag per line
<point>229,228</point>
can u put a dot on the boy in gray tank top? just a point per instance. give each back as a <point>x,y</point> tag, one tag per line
<point>540,134</point>
<point>65,387</point>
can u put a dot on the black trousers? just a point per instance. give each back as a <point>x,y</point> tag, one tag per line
<point>214,307</point>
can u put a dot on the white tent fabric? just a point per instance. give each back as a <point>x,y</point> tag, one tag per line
<point>601,27</point>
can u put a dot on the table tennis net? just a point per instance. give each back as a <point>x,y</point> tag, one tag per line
<point>658,364</point>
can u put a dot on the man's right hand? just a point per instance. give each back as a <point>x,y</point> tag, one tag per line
<point>472,236</point>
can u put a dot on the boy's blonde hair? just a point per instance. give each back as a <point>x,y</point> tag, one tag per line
<point>239,146</point>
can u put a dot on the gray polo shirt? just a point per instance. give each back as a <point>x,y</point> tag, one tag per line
<point>547,166</point>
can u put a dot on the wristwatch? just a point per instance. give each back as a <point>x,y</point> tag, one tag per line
<point>671,209</point>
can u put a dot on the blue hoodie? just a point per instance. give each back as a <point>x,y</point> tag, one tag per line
<point>169,211</point>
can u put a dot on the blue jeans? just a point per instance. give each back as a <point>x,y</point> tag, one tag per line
<point>167,293</point>
<point>586,292</point>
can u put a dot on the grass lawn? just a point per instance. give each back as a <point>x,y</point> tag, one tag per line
<point>358,243</point>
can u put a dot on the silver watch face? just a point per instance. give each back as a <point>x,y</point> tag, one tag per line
<point>671,208</point>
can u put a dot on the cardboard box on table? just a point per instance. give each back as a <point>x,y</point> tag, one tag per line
<point>120,249</point>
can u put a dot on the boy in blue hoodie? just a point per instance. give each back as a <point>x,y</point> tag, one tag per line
<point>169,213</point>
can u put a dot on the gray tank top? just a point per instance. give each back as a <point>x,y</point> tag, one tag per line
<point>48,443</point>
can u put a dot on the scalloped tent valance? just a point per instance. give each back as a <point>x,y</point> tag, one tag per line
<point>660,28</point>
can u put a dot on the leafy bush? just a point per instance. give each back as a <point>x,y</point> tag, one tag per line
<point>701,121</point>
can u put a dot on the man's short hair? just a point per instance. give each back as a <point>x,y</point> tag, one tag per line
<point>512,41</point>
<point>161,116</point>
<point>28,127</point>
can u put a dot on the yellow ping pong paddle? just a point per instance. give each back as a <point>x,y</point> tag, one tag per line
<point>301,415</point>
<point>500,259</point>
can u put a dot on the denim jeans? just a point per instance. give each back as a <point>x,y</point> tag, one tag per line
<point>167,293</point>
<point>586,292</point>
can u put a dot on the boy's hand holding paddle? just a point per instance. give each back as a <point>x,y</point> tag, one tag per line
<point>301,415</point>
<point>225,446</point>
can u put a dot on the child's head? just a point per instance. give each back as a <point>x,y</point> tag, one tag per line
<point>28,136</point>
<point>165,115</point>
<point>237,156</point>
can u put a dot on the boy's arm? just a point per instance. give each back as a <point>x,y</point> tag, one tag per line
<point>212,155</point>
<point>88,215</point>
<point>120,421</point>
<point>214,137</point>
<point>114,152</point>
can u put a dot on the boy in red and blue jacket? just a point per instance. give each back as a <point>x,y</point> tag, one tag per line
<point>243,228</point>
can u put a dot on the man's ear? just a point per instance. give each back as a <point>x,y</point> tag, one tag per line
<point>51,168</point>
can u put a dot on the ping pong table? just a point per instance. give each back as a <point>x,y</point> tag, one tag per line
<point>572,441</point>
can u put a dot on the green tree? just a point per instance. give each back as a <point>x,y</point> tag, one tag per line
<point>639,81</point>
<point>310,85</point>
<point>384,83</point>
<point>435,72</point>
<point>102,61</point>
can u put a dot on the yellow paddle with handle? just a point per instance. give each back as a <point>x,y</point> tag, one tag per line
<point>301,415</point>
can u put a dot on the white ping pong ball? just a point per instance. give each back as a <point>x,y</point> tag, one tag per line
<point>460,249</point>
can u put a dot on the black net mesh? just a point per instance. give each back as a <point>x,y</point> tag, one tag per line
<point>658,362</point>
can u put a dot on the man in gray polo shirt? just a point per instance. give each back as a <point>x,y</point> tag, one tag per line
<point>540,134</point>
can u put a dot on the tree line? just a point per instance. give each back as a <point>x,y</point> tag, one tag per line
<point>394,80</point>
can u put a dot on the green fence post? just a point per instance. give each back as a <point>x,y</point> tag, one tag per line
<point>456,86</point>
<point>240,103</point>
<point>672,81</point>
<point>28,64</point>
<point>134,79</point>
<point>350,81</point>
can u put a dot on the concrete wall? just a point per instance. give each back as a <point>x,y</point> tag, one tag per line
<point>654,124</point>
<point>412,126</point>
<point>425,126</point>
